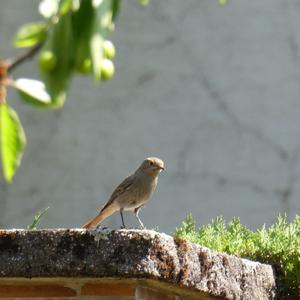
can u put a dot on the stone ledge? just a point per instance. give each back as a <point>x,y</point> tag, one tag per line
<point>132,254</point>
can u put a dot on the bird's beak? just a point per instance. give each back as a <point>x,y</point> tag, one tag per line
<point>162,168</point>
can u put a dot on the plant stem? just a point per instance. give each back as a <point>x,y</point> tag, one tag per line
<point>25,56</point>
<point>2,94</point>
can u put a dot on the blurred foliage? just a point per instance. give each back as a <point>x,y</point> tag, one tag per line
<point>12,140</point>
<point>71,39</point>
<point>278,245</point>
<point>223,2</point>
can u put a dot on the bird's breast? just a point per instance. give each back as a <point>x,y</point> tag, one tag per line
<point>141,193</point>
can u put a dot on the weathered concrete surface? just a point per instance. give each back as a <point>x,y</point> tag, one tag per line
<point>133,254</point>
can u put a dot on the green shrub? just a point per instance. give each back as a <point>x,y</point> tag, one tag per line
<point>278,245</point>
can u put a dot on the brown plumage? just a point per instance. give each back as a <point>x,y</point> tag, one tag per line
<point>132,193</point>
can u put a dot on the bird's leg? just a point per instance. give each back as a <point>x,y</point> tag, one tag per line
<point>136,213</point>
<point>121,213</point>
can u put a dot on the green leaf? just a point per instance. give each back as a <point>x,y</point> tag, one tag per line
<point>96,45</point>
<point>102,24</point>
<point>30,35</point>
<point>65,6</point>
<point>33,92</point>
<point>61,44</point>
<point>13,141</point>
<point>82,33</point>
<point>115,5</point>
<point>37,218</point>
<point>89,36</point>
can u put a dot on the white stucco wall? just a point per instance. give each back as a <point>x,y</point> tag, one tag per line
<point>213,91</point>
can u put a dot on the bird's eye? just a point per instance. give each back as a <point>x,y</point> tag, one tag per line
<point>151,163</point>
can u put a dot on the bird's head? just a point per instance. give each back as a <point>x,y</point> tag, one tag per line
<point>152,165</point>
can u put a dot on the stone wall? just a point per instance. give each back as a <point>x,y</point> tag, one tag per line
<point>124,263</point>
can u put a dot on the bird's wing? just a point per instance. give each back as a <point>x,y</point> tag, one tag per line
<point>123,187</point>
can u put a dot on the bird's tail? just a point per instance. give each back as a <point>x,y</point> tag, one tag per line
<point>104,213</point>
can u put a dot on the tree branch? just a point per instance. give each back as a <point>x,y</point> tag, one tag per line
<point>25,56</point>
<point>2,94</point>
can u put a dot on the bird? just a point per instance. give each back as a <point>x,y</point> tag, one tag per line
<point>132,193</point>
